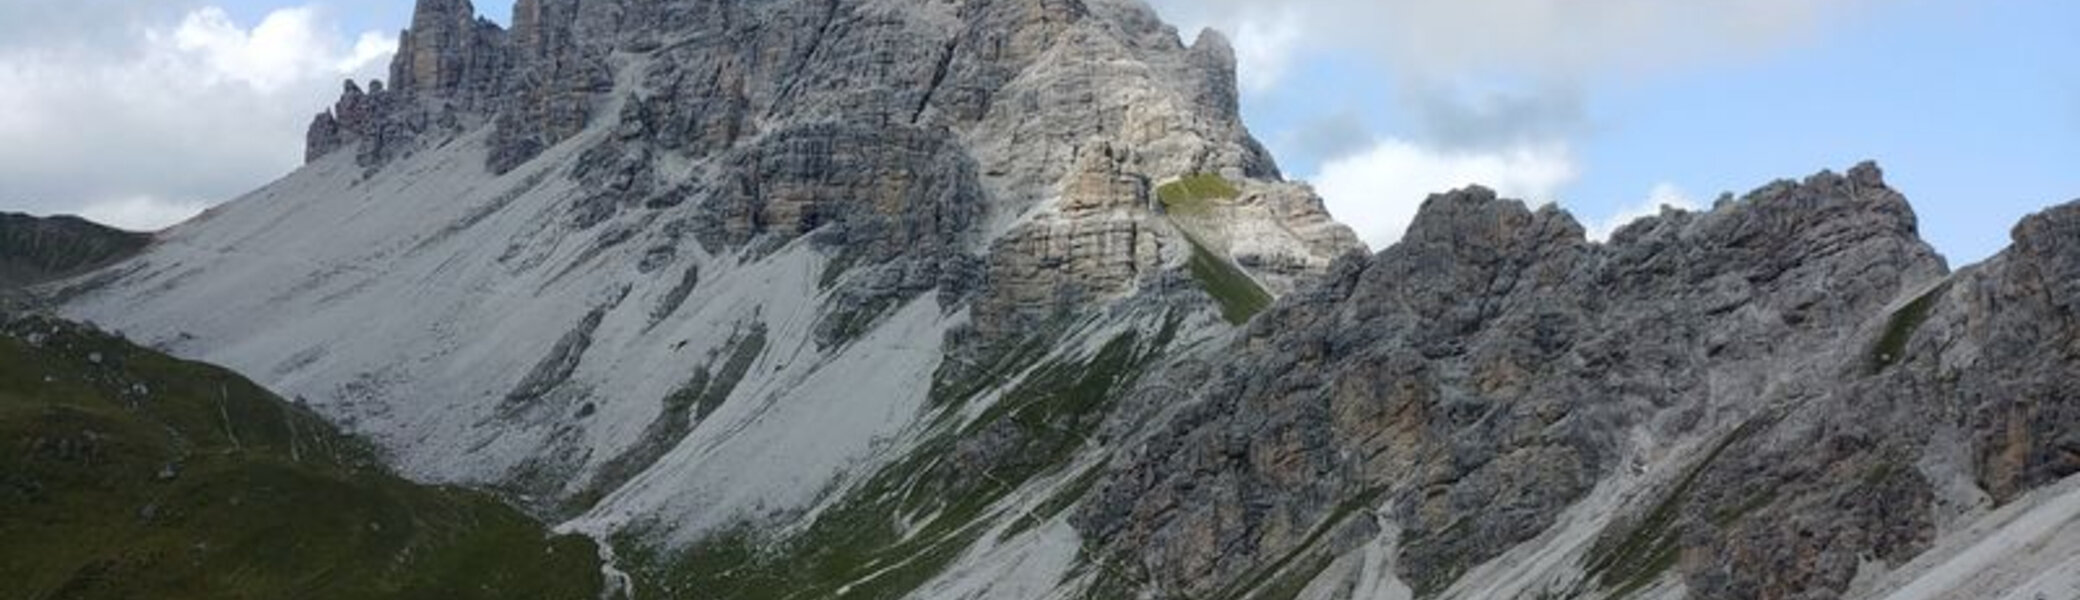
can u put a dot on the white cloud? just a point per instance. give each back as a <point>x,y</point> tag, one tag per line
<point>141,213</point>
<point>1489,91</point>
<point>1378,192</point>
<point>372,50</point>
<point>184,110</point>
<point>1541,38</point>
<point>1264,47</point>
<point>287,47</point>
<point>1664,195</point>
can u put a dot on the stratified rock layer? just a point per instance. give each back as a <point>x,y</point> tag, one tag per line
<point>1491,369</point>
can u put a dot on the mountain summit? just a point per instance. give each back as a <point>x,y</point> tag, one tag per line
<point>999,299</point>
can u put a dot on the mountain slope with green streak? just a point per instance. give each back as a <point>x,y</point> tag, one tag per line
<point>38,249</point>
<point>125,473</point>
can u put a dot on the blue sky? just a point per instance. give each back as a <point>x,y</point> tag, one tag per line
<point>1606,106</point>
<point>1973,108</point>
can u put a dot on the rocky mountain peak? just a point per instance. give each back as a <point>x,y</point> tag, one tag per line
<point>972,124</point>
<point>2048,243</point>
<point>1475,219</point>
<point>1476,374</point>
<point>449,51</point>
<point>758,289</point>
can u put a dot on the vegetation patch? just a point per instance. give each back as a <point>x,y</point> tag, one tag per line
<point>1285,578</point>
<point>957,382</point>
<point>1239,296</point>
<point>1626,564</point>
<point>1196,194</point>
<point>37,249</point>
<point>909,521</point>
<point>1892,346</point>
<point>131,474</point>
<point>864,547</point>
<point>1054,505</point>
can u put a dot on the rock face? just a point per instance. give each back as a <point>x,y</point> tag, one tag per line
<point>1493,368</point>
<point>622,184</point>
<point>454,70</point>
<point>1105,239</point>
<point>878,125</point>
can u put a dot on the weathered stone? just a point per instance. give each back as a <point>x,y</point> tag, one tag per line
<point>1480,375</point>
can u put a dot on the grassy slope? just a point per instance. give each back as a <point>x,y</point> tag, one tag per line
<point>1193,197</point>
<point>1195,194</point>
<point>1239,296</point>
<point>36,249</point>
<point>911,520</point>
<point>125,473</point>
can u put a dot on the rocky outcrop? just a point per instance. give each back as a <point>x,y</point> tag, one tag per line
<point>915,132</point>
<point>1954,398</point>
<point>998,158</point>
<point>1103,240</point>
<point>2023,397</point>
<point>1482,375</point>
<point>1279,231</point>
<point>451,53</point>
<point>454,71</point>
<point>797,114</point>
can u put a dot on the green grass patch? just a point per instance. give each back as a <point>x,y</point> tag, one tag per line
<point>1285,578</point>
<point>955,383</point>
<point>1892,346</point>
<point>1729,516</point>
<point>1626,564</point>
<point>1195,194</point>
<point>1062,499</point>
<point>862,548</point>
<point>1239,296</point>
<point>130,474</point>
<point>910,520</point>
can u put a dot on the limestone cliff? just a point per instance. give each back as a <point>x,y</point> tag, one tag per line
<point>976,299</point>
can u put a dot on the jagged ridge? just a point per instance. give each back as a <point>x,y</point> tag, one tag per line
<point>941,218</point>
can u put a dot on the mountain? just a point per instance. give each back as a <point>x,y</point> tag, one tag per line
<point>999,299</point>
<point>39,249</point>
<point>131,474</point>
<point>1786,396</point>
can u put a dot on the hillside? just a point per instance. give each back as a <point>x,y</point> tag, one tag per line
<point>39,249</point>
<point>999,299</point>
<point>130,474</point>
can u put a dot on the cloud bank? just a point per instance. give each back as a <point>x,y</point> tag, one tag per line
<point>1555,39</point>
<point>145,124</point>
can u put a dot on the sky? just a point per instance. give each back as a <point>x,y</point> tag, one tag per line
<point>143,113</point>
